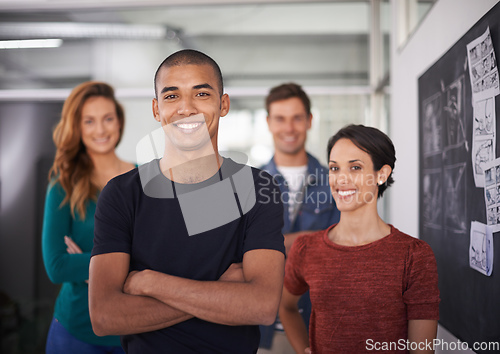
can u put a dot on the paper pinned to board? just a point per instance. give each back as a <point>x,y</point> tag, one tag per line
<point>481,248</point>
<point>483,137</point>
<point>492,194</point>
<point>483,68</point>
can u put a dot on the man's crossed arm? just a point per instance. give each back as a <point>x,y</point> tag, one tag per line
<point>123,303</point>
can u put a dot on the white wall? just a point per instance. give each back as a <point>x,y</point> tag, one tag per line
<point>446,23</point>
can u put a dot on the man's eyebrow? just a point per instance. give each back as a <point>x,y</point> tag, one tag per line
<point>169,88</point>
<point>201,86</point>
<point>196,87</point>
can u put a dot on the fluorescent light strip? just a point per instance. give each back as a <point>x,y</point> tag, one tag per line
<point>80,30</point>
<point>31,43</point>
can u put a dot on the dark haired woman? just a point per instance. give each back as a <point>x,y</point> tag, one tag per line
<point>90,128</point>
<point>372,287</point>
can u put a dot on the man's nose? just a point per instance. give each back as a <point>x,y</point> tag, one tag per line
<point>289,126</point>
<point>186,107</point>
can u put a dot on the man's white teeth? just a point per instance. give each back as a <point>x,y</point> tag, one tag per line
<point>346,193</point>
<point>289,139</point>
<point>188,125</point>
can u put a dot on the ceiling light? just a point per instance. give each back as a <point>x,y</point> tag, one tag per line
<point>31,43</point>
<point>80,30</point>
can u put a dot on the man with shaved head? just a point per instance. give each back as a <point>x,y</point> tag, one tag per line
<point>188,252</point>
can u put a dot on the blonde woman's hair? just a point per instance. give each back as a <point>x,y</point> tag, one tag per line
<point>72,166</point>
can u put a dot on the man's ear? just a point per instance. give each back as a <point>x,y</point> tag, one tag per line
<point>156,112</point>
<point>310,118</point>
<point>225,103</point>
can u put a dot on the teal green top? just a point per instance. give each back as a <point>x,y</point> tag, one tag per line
<point>70,270</point>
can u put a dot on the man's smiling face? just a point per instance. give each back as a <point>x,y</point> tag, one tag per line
<point>289,122</point>
<point>189,105</point>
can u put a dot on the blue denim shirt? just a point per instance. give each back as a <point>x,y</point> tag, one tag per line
<point>316,212</point>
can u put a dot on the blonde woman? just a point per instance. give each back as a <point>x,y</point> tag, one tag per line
<point>90,128</point>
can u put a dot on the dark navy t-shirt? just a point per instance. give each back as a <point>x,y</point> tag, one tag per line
<point>146,215</point>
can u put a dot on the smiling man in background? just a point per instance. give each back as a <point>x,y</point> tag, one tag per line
<point>303,181</point>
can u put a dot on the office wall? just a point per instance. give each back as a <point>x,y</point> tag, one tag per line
<point>446,22</point>
<point>25,141</point>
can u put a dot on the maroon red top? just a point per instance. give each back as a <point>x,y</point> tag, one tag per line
<point>365,294</point>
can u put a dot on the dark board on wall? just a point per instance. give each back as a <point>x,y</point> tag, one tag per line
<point>449,199</point>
